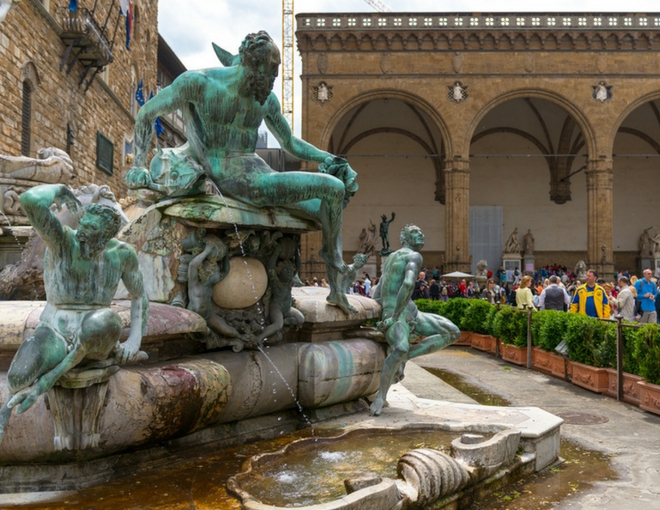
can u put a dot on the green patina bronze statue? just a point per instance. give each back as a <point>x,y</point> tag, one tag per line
<point>384,234</point>
<point>82,270</point>
<point>223,109</point>
<point>409,332</point>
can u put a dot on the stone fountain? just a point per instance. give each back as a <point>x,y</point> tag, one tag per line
<point>184,329</point>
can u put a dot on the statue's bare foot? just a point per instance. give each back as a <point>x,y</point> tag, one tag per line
<point>400,373</point>
<point>376,407</point>
<point>339,299</point>
<point>336,262</point>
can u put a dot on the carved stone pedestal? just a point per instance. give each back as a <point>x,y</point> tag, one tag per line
<point>511,261</point>
<point>529,264</point>
<point>76,402</point>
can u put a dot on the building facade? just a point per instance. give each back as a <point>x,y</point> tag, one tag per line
<point>69,82</point>
<point>471,125</point>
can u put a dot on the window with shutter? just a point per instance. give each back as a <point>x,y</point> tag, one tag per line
<point>26,118</point>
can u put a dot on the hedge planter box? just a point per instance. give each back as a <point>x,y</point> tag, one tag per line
<point>649,397</point>
<point>631,390</point>
<point>541,360</point>
<point>465,338</point>
<point>484,342</point>
<point>591,378</point>
<point>515,355</point>
<point>560,366</point>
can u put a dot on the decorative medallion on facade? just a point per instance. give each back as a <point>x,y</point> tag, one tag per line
<point>457,92</point>
<point>322,92</point>
<point>602,92</point>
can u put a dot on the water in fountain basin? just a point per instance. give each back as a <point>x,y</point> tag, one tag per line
<point>315,474</point>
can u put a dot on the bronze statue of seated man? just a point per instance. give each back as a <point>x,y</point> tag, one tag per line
<point>223,109</point>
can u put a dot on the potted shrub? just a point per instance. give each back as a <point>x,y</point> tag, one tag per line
<point>510,326</point>
<point>455,309</point>
<point>439,307</point>
<point>540,358</point>
<point>584,336</point>
<point>474,321</point>
<point>646,353</point>
<point>631,391</point>
<point>551,333</point>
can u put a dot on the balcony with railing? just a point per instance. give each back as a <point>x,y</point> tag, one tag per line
<point>86,42</point>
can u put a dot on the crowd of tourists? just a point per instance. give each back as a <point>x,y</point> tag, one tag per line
<point>552,287</point>
<point>555,288</point>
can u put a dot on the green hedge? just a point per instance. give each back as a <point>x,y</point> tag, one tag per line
<point>475,315</point>
<point>551,329</point>
<point>510,326</point>
<point>646,353</point>
<point>590,341</point>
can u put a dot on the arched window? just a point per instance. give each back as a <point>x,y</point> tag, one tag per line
<point>30,83</point>
<point>26,119</point>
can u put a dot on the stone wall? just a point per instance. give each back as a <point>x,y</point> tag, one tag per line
<point>30,46</point>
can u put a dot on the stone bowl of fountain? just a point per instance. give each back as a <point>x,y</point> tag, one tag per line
<point>411,466</point>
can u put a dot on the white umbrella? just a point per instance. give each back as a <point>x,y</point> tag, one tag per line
<point>457,274</point>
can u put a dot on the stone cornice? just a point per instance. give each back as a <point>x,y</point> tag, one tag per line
<point>480,32</point>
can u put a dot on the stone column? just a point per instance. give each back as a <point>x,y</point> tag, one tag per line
<point>457,216</point>
<point>600,213</point>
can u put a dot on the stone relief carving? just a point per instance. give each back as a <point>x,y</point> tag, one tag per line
<point>268,312</point>
<point>322,92</point>
<point>457,92</point>
<point>602,92</point>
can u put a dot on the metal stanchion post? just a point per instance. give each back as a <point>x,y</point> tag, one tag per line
<point>529,339</point>
<point>497,340</point>
<point>619,357</point>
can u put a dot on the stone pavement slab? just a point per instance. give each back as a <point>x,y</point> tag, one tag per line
<point>631,436</point>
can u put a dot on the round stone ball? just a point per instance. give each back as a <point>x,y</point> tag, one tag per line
<point>244,285</point>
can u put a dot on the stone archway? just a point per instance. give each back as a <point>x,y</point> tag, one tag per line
<point>635,159</point>
<point>525,153</point>
<point>395,142</point>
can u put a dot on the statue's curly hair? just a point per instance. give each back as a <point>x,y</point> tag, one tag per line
<point>111,218</point>
<point>405,231</point>
<point>255,48</point>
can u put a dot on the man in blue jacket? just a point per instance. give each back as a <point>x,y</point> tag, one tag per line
<point>646,293</point>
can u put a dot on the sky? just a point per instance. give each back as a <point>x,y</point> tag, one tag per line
<point>189,27</point>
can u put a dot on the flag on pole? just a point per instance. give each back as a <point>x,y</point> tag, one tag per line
<point>127,10</point>
<point>139,94</point>
<point>157,124</point>
<point>73,5</point>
